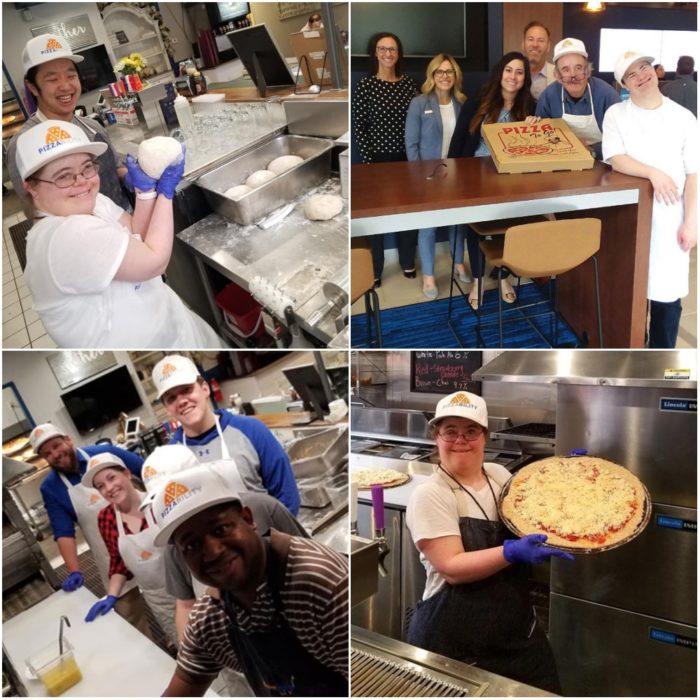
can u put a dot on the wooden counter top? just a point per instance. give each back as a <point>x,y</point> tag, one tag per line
<point>250,94</point>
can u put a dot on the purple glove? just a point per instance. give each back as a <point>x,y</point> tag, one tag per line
<point>169,180</point>
<point>101,607</point>
<point>531,550</point>
<point>74,581</point>
<point>135,177</point>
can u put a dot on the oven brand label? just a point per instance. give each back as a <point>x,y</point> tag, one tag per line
<point>676,374</point>
<point>671,638</point>
<point>676,523</point>
<point>681,405</point>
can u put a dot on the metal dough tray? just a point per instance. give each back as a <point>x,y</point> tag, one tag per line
<point>323,453</point>
<point>286,187</point>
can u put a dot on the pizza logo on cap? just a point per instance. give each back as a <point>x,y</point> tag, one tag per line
<point>93,462</point>
<point>56,133</point>
<point>167,370</point>
<point>567,42</point>
<point>149,472</point>
<point>53,45</point>
<point>629,53</point>
<point>38,432</point>
<point>173,491</point>
<point>460,400</point>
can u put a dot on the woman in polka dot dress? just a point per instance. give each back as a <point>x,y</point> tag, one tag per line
<point>379,106</point>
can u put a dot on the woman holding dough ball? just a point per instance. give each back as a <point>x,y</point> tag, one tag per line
<point>94,271</point>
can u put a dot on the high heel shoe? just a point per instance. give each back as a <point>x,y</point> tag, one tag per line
<point>507,292</point>
<point>474,300</point>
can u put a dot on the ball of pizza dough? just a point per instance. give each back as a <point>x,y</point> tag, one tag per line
<point>321,207</point>
<point>283,163</point>
<point>238,191</point>
<point>157,153</point>
<point>260,177</point>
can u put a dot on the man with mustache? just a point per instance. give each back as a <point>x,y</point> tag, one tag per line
<point>68,502</point>
<point>578,98</point>
<point>280,611</point>
<point>51,76</point>
<point>651,136</point>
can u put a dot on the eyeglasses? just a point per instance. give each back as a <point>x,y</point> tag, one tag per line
<point>387,49</point>
<point>470,434</point>
<point>68,179</point>
<point>449,73</point>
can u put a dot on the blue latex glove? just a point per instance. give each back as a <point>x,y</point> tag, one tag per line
<point>74,581</point>
<point>171,177</point>
<point>135,177</point>
<point>531,550</point>
<point>101,607</point>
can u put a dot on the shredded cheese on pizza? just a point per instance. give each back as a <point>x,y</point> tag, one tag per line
<point>579,501</point>
<point>371,477</point>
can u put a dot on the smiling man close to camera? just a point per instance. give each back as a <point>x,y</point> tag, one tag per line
<point>577,97</point>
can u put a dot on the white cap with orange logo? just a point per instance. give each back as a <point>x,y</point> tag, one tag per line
<point>97,463</point>
<point>45,48</point>
<point>462,404</point>
<point>49,140</point>
<point>164,462</point>
<point>174,370</point>
<point>42,433</point>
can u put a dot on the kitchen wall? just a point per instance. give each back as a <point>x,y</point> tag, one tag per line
<point>40,391</point>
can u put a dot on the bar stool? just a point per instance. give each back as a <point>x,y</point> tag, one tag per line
<point>362,284</point>
<point>544,249</point>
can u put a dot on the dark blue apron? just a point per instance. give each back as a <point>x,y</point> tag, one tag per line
<point>488,622</point>
<point>274,662</point>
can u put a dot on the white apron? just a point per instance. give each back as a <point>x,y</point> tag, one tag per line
<point>145,561</point>
<point>669,265</point>
<point>87,504</point>
<point>584,126</point>
<point>227,469</point>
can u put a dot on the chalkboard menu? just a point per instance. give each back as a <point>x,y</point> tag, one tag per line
<point>444,372</point>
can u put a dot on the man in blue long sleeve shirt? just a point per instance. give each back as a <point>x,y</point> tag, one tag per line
<point>578,98</point>
<point>64,507</point>
<point>254,459</point>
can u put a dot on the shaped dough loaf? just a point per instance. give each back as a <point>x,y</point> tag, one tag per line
<point>238,191</point>
<point>283,163</point>
<point>321,207</point>
<point>260,177</point>
<point>157,153</point>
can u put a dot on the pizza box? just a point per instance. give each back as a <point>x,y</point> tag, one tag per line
<point>517,147</point>
<point>310,49</point>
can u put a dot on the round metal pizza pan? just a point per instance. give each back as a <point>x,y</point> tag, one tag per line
<point>386,486</point>
<point>646,516</point>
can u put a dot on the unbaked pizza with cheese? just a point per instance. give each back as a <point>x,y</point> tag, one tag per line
<point>387,478</point>
<point>578,502</point>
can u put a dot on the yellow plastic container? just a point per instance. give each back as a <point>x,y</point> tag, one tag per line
<point>58,672</point>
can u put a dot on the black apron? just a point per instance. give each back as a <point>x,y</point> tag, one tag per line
<point>274,662</point>
<point>488,622</point>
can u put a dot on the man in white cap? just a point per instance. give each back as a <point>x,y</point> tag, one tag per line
<point>651,136</point>
<point>577,97</point>
<point>281,612</point>
<point>253,459</point>
<point>536,45</point>
<point>51,75</point>
<point>68,502</point>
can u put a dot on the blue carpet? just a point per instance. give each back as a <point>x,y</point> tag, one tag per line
<point>424,325</point>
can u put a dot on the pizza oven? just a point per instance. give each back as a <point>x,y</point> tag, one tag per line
<point>624,621</point>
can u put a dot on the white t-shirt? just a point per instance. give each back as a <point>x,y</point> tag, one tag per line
<point>665,138</point>
<point>449,121</point>
<point>436,506</point>
<point>71,263</point>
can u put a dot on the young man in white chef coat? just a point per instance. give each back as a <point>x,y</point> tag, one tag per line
<point>651,136</point>
<point>255,460</point>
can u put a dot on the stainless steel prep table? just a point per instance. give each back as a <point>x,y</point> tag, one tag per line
<point>295,255</point>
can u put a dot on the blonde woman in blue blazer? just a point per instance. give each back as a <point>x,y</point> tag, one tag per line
<point>430,121</point>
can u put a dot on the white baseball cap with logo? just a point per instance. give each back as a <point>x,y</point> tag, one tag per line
<point>626,59</point>
<point>42,433</point>
<point>164,462</point>
<point>45,48</point>
<point>173,370</point>
<point>186,494</point>
<point>569,45</point>
<point>462,404</point>
<point>97,463</point>
<point>49,140</point>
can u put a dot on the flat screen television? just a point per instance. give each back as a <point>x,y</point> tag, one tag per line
<point>96,70</point>
<point>101,400</point>
<point>219,12</point>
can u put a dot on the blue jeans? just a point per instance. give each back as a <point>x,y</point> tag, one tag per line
<point>426,248</point>
<point>476,257</point>
<point>664,321</point>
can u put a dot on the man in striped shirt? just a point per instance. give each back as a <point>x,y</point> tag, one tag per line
<point>280,615</point>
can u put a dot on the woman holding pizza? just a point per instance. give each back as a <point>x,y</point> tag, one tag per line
<point>475,606</point>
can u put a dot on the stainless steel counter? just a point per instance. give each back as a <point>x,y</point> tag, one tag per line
<point>399,664</point>
<point>295,255</point>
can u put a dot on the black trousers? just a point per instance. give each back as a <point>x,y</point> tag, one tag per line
<point>664,321</point>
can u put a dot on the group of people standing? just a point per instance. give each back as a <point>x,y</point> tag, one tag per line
<point>394,120</point>
<point>204,531</point>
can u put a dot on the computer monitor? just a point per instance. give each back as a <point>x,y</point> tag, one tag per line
<point>262,59</point>
<point>307,383</point>
<point>131,429</point>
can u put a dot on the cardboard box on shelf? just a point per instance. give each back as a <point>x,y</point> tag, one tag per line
<point>310,49</point>
<point>549,145</point>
